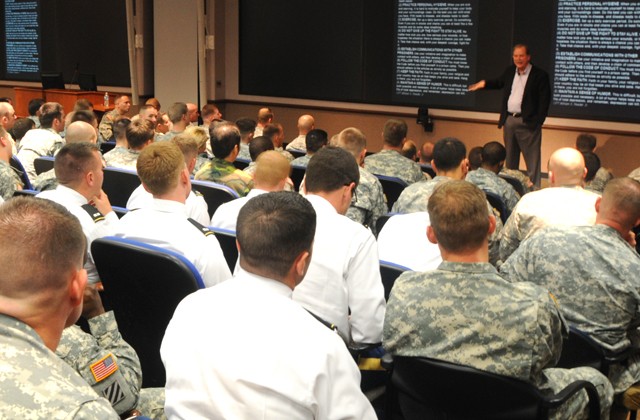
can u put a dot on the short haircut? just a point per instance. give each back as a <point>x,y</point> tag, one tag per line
<point>21,126</point>
<point>264,115</point>
<point>586,142</point>
<point>187,144</point>
<point>621,201</point>
<point>199,134</point>
<point>40,243</point>
<point>273,229</point>
<point>525,46</point>
<point>153,102</point>
<point>394,132</point>
<point>208,109</point>
<point>409,150</point>
<point>138,133</point>
<point>74,160</point>
<point>493,153</point>
<point>475,157</point>
<point>120,125</point>
<point>80,131</point>
<point>85,116</point>
<point>48,112</point>
<point>271,130</point>
<point>592,163</point>
<point>459,215</point>
<point>246,126</point>
<point>330,169</point>
<point>83,104</point>
<point>159,166</point>
<point>224,137</point>
<point>448,153</point>
<point>145,107</point>
<point>34,106</point>
<point>352,140</point>
<point>176,111</point>
<point>315,140</point>
<point>271,169</point>
<point>258,145</point>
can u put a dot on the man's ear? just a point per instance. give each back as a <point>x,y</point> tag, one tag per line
<point>431,235</point>
<point>492,224</point>
<point>598,202</point>
<point>302,263</point>
<point>77,286</point>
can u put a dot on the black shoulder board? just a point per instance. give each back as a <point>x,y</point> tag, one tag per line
<point>93,212</point>
<point>198,193</point>
<point>205,230</point>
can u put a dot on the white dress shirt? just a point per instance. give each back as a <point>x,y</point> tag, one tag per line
<point>195,206</point>
<point>344,274</point>
<point>403,241</point>
<point>73,201</point>
<point>37,143</point>
<point>245,350</point>
<point>165,225</point>
<point>514,104</point>
<point>226,215</point>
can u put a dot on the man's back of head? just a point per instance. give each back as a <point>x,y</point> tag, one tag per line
<point>34,106</point>
<point>139,134</point>
<point>210,112</point>
<point>159,166</point>
<point>273,231</point>
<point>272,171</point>
<point>87,116</point>
<point>80,131</point>
<point>120,126</point>
<point>265,116</point>
<point>493,155</point>
<point>274,132</point>
<point>448,154</point>
<point>306,123</point>
<point>333,174</point>
<point>225,139</point>
<point>83,104</point>
<point>21,126</point>
<point>620,204</point>
<point>200,135</point>
<point>353,141</point>
<point>475,158</point>
<point>246,126</point>
<point>394,132</point>
<point>177,112</point>
<point>315,140</point>
<point>72,164</point>
<point>566,167</point>
<point>426,152</point>
<point>52,116</point>
<point>586,142</point>
<point>258,145</point>
<point>592,164</point>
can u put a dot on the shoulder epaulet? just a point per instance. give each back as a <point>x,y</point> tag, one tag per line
<point>93,212</point>
<point>203,229</point>
<point>197,193</point>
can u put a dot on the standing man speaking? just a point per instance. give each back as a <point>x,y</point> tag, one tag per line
<point>525,103</point>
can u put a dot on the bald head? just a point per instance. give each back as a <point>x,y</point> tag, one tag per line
<point>306,123</point>
<point>80,131</point>
<point>7,115</point>
<point>426,152</point>
<point>272,171</point>
<point>566,167</point>
<point>192,112</point>
<point>620,204</point>
<point>265,116</point>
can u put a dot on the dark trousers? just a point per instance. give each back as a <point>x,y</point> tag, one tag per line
<point>519,137</point>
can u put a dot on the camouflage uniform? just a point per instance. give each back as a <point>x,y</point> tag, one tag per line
<point>593,273</point>
<point>566,206</point>
<point>284,153</point>
<point>250,169</point>
<point>392,163</point>
<point>36,384</point>
<point>223,172</point>
<point>168,135</point>
<point>45,181</point>
<point>489,181</point>
<point>123,159</point>
<point>301,161</point>
<point>9,180</point>
<point>522,178</point>
<point>600,180</point>
<point>367,204</point>
<point>244,152</point>
<point>635,174</point>
<point>201,160</point>
<point>114,154</point>
<point>465,313</point>
<point>106,124</point>
<point>415,197</point>
<point>37,143</point>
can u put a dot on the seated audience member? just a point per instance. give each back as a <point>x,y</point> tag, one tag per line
<point>586,143</point>
<point>592,271</point>
<point>85,353</point>
<point>304,370</point>
<point>265,116</point>
<point>564,203</point>
<point>78,169</point>
<point>272,173</point>
<point>178,115</point>
<point>256,147</point>
<point>20,128</point>
<point>593,166</point>
<point>7,120</point>
<point>275,132</point>
<point>192,114</point>
<point>139,135</point>
<point>306,123</point>
<point>465,313</point>
<point>486,176</point>
<point>343,285</point>
<point>9,179</point>
<point>122,106</point>
<point>389,161</point>
<point>77,132</point>
<point>86,116</point>
<point>246,126</point>
<point>43,141</point>
<point>314,141</point>
<point>527,185</point>
<point>149,113</point>
<point>425,154</point>
<point>209,114</point>
<point>163,172</point>
<point>410,150</point>
<point>368,202</point>
<point>475,158</point>
<point>34,110</point>
<point>449,163</point>
<point>120,152</point>
<point>154,102</point>
<point>195,206</point>
<point>225,143</point>
<point>41,295</point>
<point>201,136</point>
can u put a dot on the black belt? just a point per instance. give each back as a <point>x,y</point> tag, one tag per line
<point>514,114</point>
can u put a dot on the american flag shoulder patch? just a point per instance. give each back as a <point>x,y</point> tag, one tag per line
<point>104,367</point>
